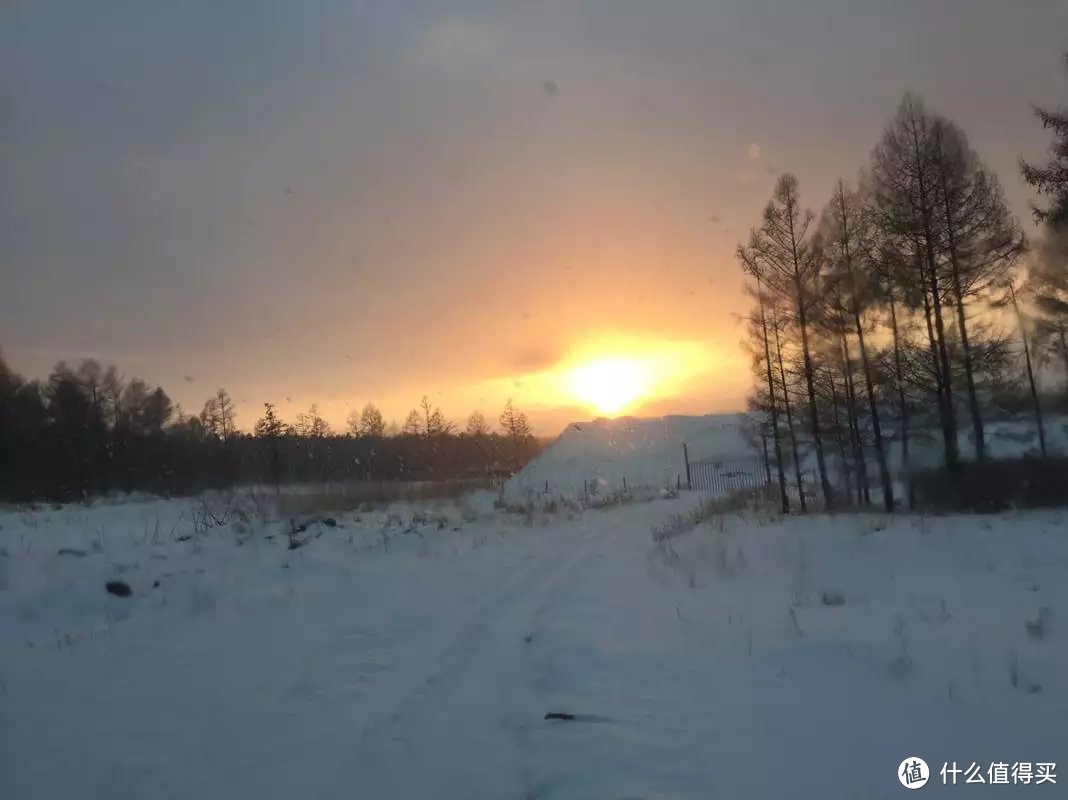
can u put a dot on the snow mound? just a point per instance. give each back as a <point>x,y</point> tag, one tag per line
<point>643,454</point>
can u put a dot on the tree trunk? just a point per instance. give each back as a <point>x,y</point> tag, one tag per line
<point>813,412</point>
<point>969,376</point>
<point>790,422</point>
<point>903,406</point>
<point>838,438</point>
<point>1030,373</point>
<point>767,459</point>
<point>855,440</point>
<point>873,406</point>
<point>949,424</point>
<point>1064,349</point>
<point>774,410</point>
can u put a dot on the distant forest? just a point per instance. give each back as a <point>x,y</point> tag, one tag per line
<point>912,302</point>
<point>87,431</point>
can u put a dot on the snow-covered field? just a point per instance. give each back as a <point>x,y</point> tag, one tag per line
<point>414,651</point>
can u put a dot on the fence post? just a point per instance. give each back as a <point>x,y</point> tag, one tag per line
<point>624,483</point>
<point>686,458</point>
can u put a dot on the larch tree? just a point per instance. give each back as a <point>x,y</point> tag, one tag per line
<point>844,231</point>
<point>372,424</point>
<point>413,424</point>
<point>904,202</point>
<point>979,238</point>
<point>1050,179</point>
<point>477,424</point>
<point>433,421</point>
<point>762,361</point>
<point>792,264</point>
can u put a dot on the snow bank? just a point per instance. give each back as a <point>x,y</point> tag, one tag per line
<point>646,454</point>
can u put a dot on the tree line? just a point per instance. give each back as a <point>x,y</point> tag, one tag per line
<point>87,430</point>
<point>913,303</point>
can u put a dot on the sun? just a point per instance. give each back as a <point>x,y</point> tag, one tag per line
<point>609,385</point>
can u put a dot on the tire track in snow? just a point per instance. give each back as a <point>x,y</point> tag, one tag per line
<point>484,659</point>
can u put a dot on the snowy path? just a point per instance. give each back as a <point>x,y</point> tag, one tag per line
<point>425,670</point>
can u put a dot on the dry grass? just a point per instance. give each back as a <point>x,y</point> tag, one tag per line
<point>303,501</point>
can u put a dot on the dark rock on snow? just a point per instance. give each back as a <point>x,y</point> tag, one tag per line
<point>118,588</point>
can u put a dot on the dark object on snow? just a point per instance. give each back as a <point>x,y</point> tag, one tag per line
<point>832,598</point>
<point>330,522</point>
<point>118,588</point>
<point>185,537</point>
<point>155,584</point>
<point>71,551</point>
<point>559,715</point>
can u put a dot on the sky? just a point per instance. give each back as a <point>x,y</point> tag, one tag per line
<point>336,202</point>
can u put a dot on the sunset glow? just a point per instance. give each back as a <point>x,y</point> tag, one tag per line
<point>609,385</point>
<point>616,375</point>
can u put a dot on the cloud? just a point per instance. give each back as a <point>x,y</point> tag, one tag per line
<point>550,87</point>
<point>455,42</point>
<point>753,151</point>
<point>533,359</point>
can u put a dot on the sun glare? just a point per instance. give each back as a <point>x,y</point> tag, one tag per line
<point>609,385</point>
<point>610,375</point>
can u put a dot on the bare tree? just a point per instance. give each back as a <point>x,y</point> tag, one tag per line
<point>270,429</point>
<point>1051,179</point>
<point>217,416</point>
<point>904,202</point>
<point>762,359</point>
<point>832,324</point>
<point>371,423</point>
<point>792,263</point>
<point>844,230</point>
<point>477,424</point>
<point>413,425</point>
<point>434,422</point>
<point>514,423</point>
<point>516,428</point>
<point>311,425</point>
<point>1047,290</point>
<point>979,236</point>
<point>1035,404</point>
<point>352,422</point>
<point>776,323</point>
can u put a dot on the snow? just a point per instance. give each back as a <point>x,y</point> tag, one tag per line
<point>607,458</point>
<point>645,453</point>
<point>413,651</point>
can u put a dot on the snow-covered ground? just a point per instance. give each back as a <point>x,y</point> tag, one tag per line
<point>640,456</point>
<point>414,651</point>
<point>605,455</point>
